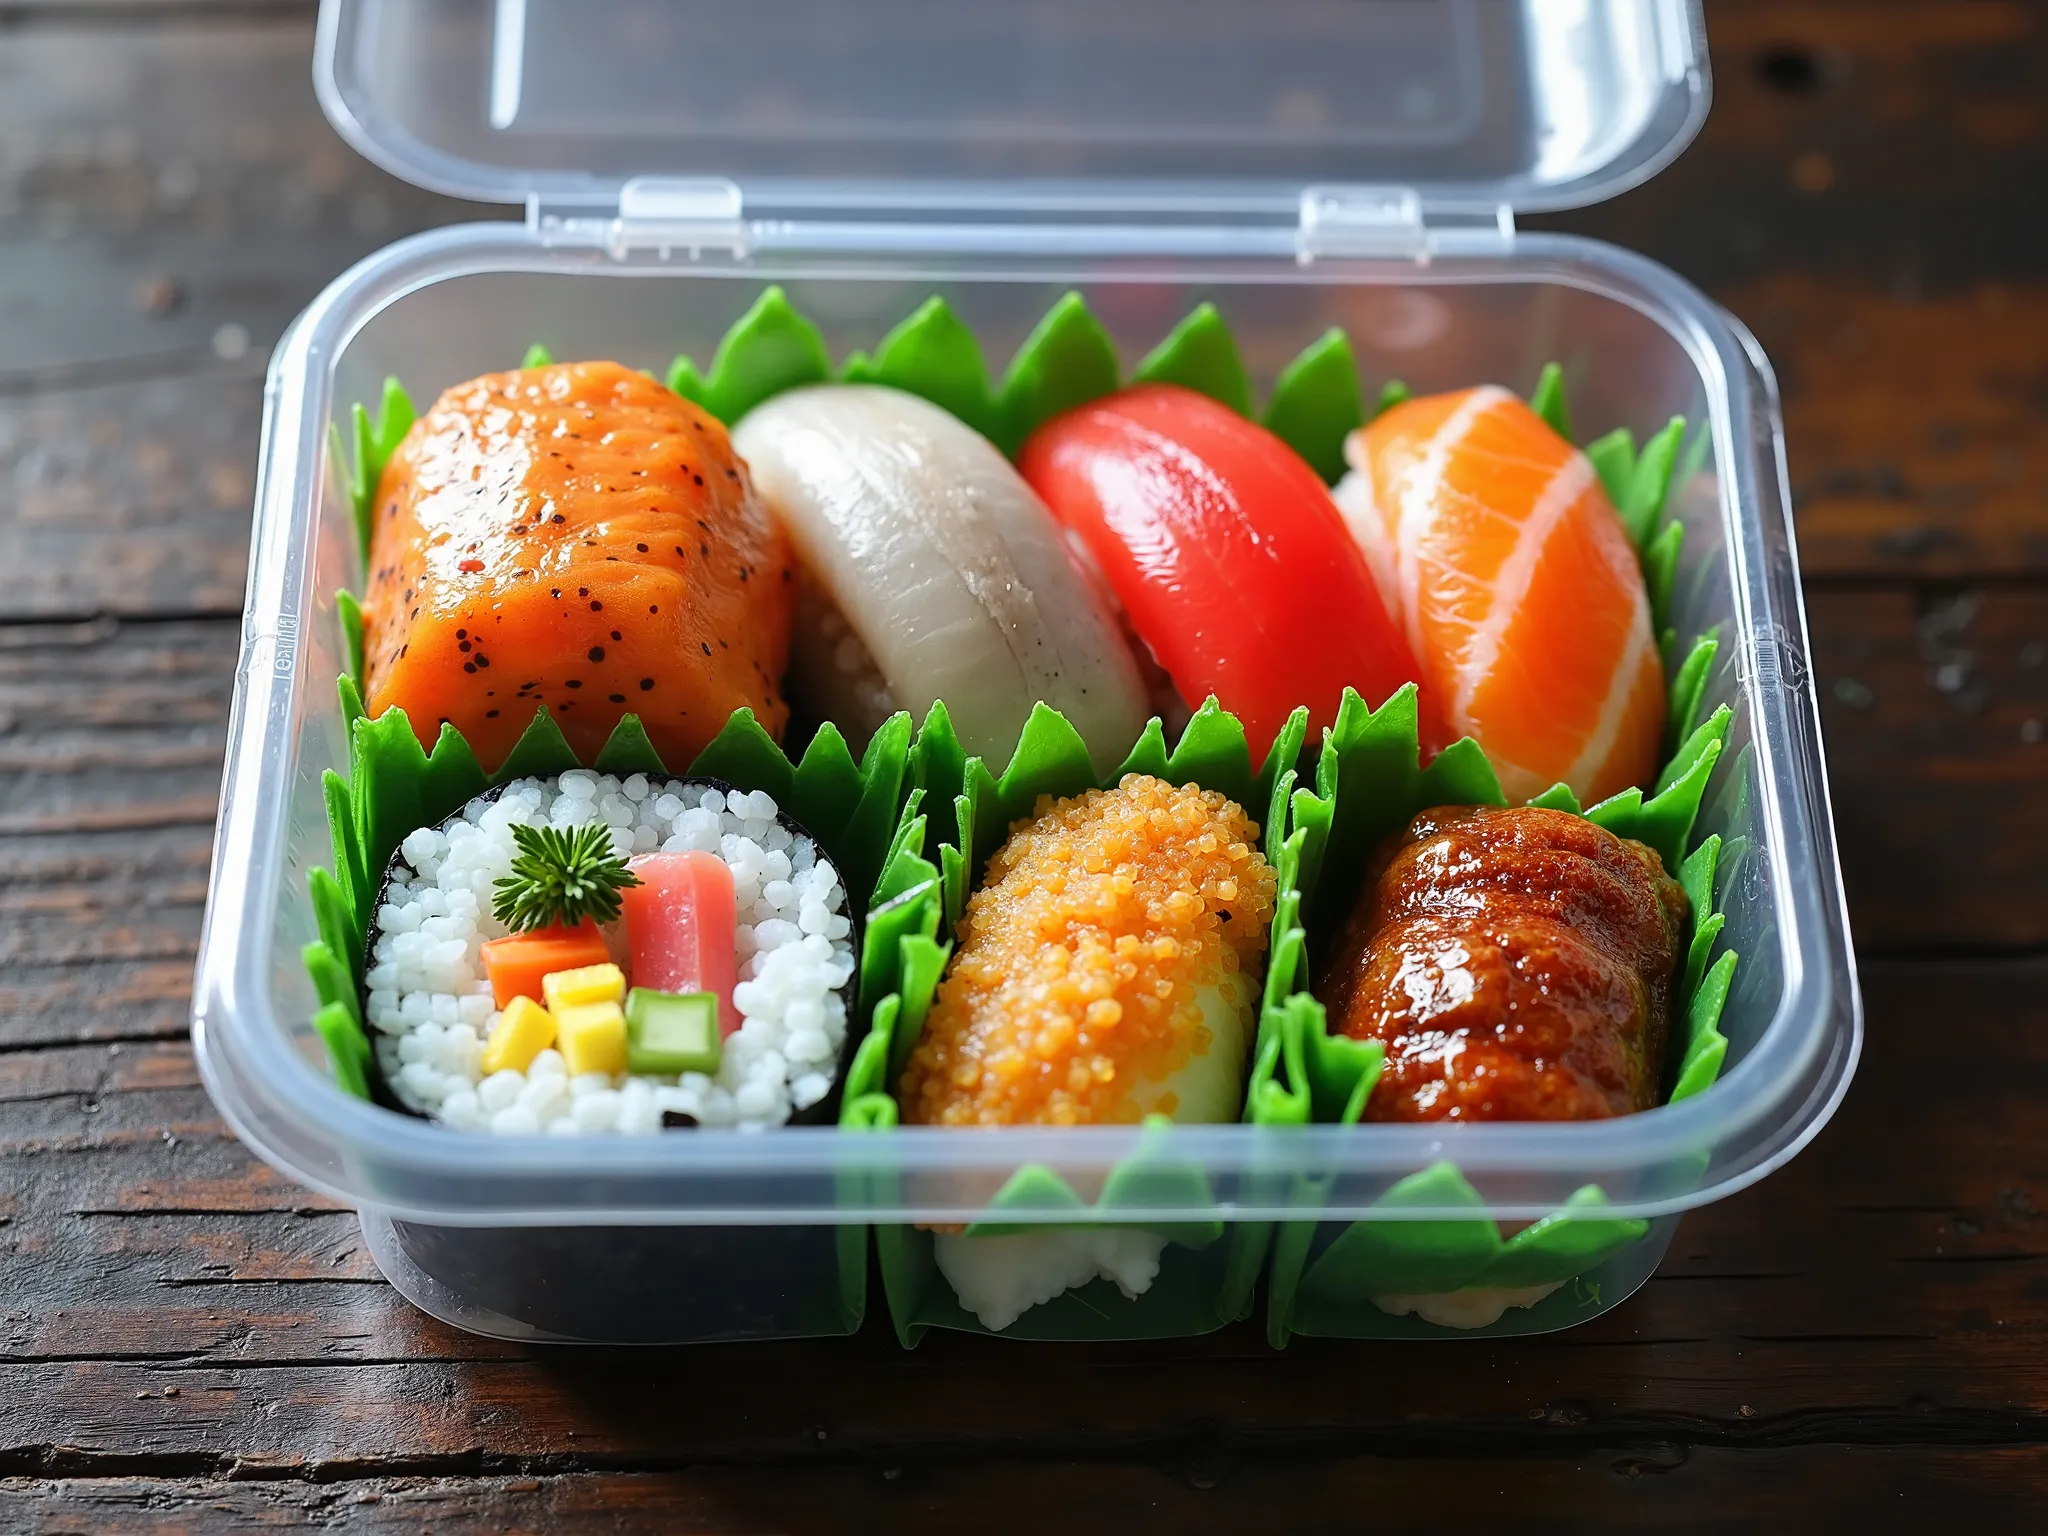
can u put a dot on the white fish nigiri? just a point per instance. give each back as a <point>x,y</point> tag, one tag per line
<point>932,571</point>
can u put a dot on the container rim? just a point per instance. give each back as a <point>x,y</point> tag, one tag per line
<point>1578,138</point>
<point>1758,1116</point>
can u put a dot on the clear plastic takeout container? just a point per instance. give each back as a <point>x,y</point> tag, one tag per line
<point>1301,163</point>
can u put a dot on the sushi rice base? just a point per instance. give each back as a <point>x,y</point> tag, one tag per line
<point>1479,1307</point>
<point>999,1279</point>
<point>430,1006</point>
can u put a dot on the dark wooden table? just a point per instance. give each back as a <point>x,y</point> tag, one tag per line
<point>187,1341</point>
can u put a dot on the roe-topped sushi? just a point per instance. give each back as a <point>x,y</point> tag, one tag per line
<point>1107,970</point>
<point>1107,967</point>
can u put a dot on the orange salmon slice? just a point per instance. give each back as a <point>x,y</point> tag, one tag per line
<point>1495,544</point>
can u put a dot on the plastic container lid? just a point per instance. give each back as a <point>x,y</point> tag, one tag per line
<point>1022,108</point>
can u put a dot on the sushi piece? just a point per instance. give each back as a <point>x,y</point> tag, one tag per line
<point>1107,969</point>
<point>575,538</point>
<point>580,862</point>
<point>1229,558</point>
<point>931,571</point>
<point>1517,585</point>
<point>1516,965</point>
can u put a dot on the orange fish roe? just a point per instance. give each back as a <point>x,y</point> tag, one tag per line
<point>1074,992</point>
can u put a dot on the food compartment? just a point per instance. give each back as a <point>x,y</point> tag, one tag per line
<point>628,1285</point>
<point>1636,349</point>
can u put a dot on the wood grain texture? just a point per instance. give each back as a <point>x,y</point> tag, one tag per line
<point>170,197</point>
<point>129,497</point>
<point>169,177</point>
<point>1934,702</point>
<point>1614,1489</point>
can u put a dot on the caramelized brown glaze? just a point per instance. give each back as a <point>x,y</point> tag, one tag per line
<point>1516,964</point>
<point>580,539</point>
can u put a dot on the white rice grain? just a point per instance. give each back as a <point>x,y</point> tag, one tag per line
<point>429,998</point>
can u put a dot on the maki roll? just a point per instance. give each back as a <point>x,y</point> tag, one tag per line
<point>583,955</point>
<point>1107,969</point>
<point>579,539</point>
<point>930,570</point>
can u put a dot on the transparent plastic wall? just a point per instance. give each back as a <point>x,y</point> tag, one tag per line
<point>1637,347</point>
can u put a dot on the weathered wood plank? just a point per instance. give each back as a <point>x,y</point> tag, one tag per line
<point>1895,143</point>
<point>1935,707</point>
<point>128,497</point>
<point>1611,1488</point>
<point>1865,196</point>
<point>111,726</point>
<point>119,999</point>
<point>1915,430</point>
<point>171,195</point>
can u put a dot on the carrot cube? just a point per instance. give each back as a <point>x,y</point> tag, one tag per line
<point>519,964</point>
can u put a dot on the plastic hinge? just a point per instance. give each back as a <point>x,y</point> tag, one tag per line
<point>1385,221</point>
<point>1779,659</point>
<point>655,214</point>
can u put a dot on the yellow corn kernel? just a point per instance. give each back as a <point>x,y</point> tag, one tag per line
<point>522,1032</point>
<point>592,1037</point>
<point>585,984</point>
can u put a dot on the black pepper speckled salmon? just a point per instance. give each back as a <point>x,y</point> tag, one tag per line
<point>581,538</point>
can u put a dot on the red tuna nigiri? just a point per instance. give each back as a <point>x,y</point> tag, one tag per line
<point>1517,586</point>
<point>1229,557</point>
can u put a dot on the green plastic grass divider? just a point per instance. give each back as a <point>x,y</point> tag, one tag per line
<point>771,348</point>
<point>1369,784</point>
<point>394,786</point>
<point>372,441</point>
<point>959,811</point>
<point>1067,360</point>
<point>1200,354</point>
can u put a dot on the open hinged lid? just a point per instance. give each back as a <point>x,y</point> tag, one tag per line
<point>1362,116</point>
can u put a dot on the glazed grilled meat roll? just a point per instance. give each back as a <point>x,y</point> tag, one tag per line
<point>1516,964</point>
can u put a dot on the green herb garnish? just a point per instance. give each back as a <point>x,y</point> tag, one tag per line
<point>561,876</point>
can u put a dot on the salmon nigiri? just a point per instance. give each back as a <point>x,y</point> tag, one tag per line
<point>579,539</point>
<point>1520,591</point>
